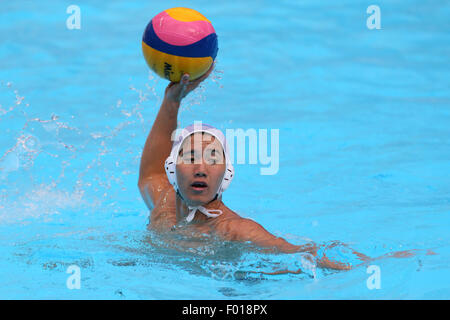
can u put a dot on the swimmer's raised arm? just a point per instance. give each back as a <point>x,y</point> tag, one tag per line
<point>152,178</point>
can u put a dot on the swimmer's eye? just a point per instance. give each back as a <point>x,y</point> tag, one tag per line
<point>214,157</point>
<point>188,157</point>
<point>210,157</point>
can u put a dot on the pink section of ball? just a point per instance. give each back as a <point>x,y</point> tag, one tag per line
<point>179,33</point>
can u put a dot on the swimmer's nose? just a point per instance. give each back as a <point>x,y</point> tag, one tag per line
<point>199,174</point>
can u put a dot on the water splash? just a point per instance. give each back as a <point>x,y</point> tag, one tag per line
<point>227,260</point>
<point>198,96</point>
<point>49,164</point>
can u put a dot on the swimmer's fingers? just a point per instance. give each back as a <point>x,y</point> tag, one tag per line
<point>178,90</point>
<point>404,254</point>
<point>184,84</point>
<point>194,83</point>
<point>400,254</point>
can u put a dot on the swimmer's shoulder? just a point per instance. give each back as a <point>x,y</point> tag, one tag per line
<point>227,215</point>
<point>226,224</point>
<point>234,227</point>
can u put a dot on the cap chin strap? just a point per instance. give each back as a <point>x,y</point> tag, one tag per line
<point>207,212</point>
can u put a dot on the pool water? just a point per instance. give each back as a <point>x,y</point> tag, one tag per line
<point>364,149</point>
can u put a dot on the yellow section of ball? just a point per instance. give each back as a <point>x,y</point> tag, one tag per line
<point>173,67</point>
<point>186,14</point>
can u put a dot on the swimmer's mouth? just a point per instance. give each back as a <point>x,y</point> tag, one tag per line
<point>199,185</point>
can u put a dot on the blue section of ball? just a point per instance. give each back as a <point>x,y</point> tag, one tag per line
<point>206,47</point>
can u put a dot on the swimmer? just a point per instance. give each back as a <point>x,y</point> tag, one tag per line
<point>182,182</point>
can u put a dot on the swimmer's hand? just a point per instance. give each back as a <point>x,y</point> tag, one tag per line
<point>176,91</point>
<point>326,258</point>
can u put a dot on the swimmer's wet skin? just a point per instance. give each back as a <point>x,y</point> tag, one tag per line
<point>182,183</point>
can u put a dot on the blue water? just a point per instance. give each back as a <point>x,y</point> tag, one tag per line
<point>364,123</point>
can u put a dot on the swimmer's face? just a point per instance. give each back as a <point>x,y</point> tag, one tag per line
<point>200,168</point>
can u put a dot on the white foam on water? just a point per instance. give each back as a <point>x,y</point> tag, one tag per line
<point>50,164</point>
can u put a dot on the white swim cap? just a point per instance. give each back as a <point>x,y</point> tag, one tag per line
<point>170,164</point>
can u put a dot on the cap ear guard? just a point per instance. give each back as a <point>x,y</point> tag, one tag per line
<point>227,177</point>
<point>170,166</point>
